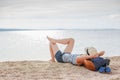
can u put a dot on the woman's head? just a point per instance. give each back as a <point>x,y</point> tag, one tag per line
<point>91,50</point>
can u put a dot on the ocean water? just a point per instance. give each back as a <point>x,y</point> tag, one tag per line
<point>33,44</point>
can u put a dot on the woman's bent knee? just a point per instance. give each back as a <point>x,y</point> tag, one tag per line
<point>52,43</point>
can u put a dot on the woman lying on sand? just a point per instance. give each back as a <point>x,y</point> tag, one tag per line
<point>67,57</point>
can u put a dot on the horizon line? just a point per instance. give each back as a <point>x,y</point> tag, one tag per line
<point>21,29</point>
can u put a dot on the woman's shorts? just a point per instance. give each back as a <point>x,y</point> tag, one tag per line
<point>58,56</point>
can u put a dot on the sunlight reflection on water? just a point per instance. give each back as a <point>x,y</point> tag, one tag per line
<point>33,45</point>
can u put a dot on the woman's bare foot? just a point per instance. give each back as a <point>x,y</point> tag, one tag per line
<point>51,40</point>
<point>52,60</point>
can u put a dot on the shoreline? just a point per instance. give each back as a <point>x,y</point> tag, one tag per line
<point>35,60</point>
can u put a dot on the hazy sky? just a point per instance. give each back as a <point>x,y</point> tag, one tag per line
<point>46,14</point>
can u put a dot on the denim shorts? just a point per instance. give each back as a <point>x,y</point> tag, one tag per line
<point>58,56</point>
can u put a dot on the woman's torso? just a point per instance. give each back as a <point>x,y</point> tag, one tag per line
<point>70,58</point>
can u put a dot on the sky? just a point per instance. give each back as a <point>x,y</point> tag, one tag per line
<point>60,14</point>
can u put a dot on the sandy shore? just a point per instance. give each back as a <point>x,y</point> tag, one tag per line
<point>44,70</point>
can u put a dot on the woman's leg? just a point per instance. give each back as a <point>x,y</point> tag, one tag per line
<point>69,46</point>
<point>53,49</point>
<point>68,41</point>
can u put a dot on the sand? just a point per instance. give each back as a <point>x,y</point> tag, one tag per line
<point>45,70</point>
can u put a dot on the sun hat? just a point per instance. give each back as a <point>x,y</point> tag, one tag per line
<point>90,50</point>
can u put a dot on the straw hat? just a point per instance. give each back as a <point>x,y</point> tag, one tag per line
<point>90,50</point>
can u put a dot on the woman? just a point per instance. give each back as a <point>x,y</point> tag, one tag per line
<point>66,56</point>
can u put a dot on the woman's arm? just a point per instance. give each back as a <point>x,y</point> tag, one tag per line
<point>89,65</point>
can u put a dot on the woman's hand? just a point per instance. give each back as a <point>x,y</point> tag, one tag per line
<point>94,55</point>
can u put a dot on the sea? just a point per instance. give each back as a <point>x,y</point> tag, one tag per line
<point>22,45</point>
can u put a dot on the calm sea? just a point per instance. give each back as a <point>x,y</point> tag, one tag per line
<point>33,45</point>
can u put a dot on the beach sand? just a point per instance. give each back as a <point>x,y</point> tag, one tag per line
<point>45,70</point>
